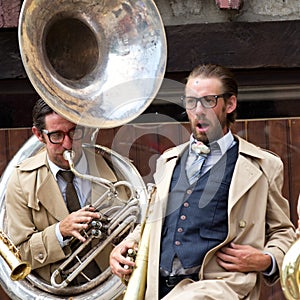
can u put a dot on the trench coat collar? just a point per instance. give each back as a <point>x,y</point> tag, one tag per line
<point>48,191</point>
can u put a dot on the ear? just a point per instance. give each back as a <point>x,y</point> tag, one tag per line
<point>38,134</point>
<point>231,104</point>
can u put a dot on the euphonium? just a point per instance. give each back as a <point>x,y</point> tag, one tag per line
<point>119,220</point>
<point>10,253</point>
<point>290,277</point>
<point>136,285</point>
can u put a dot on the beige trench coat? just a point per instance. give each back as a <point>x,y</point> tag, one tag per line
<point>258,215</point>
<point>34,206</point>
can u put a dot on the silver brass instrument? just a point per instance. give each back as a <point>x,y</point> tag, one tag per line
<point>117,221</point>
<point>19,269</point>
<point>98,63</point>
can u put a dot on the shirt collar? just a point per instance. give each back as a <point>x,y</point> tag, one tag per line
<point>81,166</point>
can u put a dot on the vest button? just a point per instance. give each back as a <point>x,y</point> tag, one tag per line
<point>177,243</point>
<point>189,192</point>
<point>183,217</point>
<point>186,204</point>
<point>180,229</point>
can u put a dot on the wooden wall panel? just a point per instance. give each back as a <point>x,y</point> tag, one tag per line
<point>255,132</point>
<point>278,142</point>
<point>294,166</point>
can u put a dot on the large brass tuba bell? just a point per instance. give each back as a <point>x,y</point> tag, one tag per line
<point>98,63</point>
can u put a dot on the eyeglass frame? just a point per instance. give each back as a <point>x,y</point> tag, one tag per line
<point>45,131</point>
<point>200,99</point>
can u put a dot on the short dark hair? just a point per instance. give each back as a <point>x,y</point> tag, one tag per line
<point>40,110</point>
<point>226,77</point>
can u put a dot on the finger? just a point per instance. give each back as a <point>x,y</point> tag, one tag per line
<point>226,257</point>
<point>120,270</point>
<point>78,236</point>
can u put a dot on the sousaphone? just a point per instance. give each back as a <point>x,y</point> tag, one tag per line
<point>98,63</point>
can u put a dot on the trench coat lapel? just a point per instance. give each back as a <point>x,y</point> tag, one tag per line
<point>246,173</point>
<point>163,175</point>
<point>244,177</point>
<point>48,193</point>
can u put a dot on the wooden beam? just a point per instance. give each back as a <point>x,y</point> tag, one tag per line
<point>235,45</point>
<point>11,64</point>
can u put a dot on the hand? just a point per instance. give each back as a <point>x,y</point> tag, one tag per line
<point>118,259</point>
<point>243,258</point>
<point>77,221</point>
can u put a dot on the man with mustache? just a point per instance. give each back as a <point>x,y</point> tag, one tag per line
<point>41,222</point>
<point>216,230</point>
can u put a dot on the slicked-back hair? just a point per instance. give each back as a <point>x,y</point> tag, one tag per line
<point>40,110</point>
<point>229,84</point>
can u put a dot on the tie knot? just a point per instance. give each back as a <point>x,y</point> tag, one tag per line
<point>67,175</point>
<point>200,148</point>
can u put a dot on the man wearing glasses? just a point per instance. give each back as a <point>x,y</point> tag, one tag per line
<point>219,220</point>
<point>41,220</point>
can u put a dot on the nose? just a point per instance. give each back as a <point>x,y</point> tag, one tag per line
<point>67,142</point>
<point>199,109</point>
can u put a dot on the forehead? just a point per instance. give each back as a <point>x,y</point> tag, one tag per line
<point>200,86</point>
<point>55,122</point>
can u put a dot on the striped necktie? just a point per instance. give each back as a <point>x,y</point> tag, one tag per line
<point>199,151</point>
<point>193,171</point>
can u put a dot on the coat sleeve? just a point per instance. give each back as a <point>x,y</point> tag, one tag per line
<point>280,232</point>
<point>38,246</point>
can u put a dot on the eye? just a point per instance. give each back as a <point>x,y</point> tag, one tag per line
<point>57,135</point>
<point>190,100</point>
<point>210,100</point>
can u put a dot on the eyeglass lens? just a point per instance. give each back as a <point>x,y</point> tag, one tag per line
<point>209,101</point>
<point>58,136</point>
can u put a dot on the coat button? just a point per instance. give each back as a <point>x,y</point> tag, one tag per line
<point>40,256</point>
<point>183,217</point>
<point>189,192</point>
<point>186,204</point>
<point>180,229</point>
<point>177,243</point>
<point>242,223</point>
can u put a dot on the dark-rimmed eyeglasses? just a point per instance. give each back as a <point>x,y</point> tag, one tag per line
<point>209,101</point>
<point>57,137</point>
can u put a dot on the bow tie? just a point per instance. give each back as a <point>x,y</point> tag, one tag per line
<point>200,148</point>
